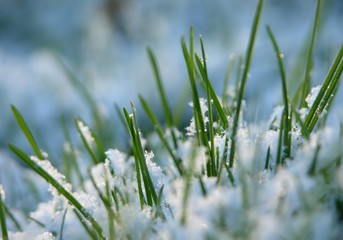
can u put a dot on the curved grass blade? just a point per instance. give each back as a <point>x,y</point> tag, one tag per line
<point>47,177</point>
<point>29,136</point>
<point>166,109</point>
<point>326,91</point>
<point>288,120</point>
<point>248,59</point>
<point>307,81</point>
<point>62,224</point>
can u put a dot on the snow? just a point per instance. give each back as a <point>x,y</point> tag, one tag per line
<point>86,133</point>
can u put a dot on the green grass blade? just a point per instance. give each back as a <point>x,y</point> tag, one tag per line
<point>25,129</point>
<point>212,162</point>
<point>158,128</point>
<point>166,109</point>
<point>227,78</point>
<point>307,81</point>
<point>248,59</point>
<point>288,119</point>
<point>12,218</point>
<point>304,132</point>
<point>137,165</point>
<point>3,219</point>
<point>326,91</point>
<point>279,155</point>
<point>47,177</point>
<point>62,223</point>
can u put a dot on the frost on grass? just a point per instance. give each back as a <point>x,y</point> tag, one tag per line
<point>86,133</point>
<point>299,199</point>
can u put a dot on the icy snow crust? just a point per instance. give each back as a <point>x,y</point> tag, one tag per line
<point>283,203</point>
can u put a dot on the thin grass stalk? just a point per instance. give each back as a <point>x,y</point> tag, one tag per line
<point>12,218</point>
<point>3,219</point>
<point>137,165</point>
<point>329,88</point>
<point>227,78</point>
<point>248,59</point>
<point>288,119</point>
<point>62,223</point>
<point>309,65</point>
<point>46,176</point>
<point>166,109</point>
<point>25,129</point>
<point>212,150</point>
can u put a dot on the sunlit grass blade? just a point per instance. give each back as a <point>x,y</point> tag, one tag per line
<point>306,84</point>
<point>279,154</point>
<point>25,129</point>
<point>47,177</point>
<point>247,64</point>
<point>3,219</point>
<point>166,109</point>
<point>303,129</point>
<point>158,128</point>
<point>326,91</point>
<point>288,119</point>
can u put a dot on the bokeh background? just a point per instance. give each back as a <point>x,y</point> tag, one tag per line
<point>103,42</point>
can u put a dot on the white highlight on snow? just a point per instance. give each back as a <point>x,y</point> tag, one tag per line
<point>312,96</point>
<point>84,129</point>
<point>2,193</point>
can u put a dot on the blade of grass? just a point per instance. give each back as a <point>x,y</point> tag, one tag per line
<point>227,78</point>
<point>307,81</point>
<point>12,218</point>
<point>158,128</point>
<point>62,224</point>
<point>166,109</point>
<point>248,59</point>
<point>137,165</point>
<point>3,219</point>
<point>25,129</point>
<point>198,118</point>
<point>266,165</point>
<point>47,177</point>
<point>212,162</point>
<point>326,91</point>
<point>288,119</point>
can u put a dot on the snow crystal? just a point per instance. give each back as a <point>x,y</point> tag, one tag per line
<point>191,129</point>
<point>312,96</point>
<point>89,202</point>
<point>84,129</point>
<point>60,178</point>
<point>116,160</point>
<point>155,171</point>
<point>45,236</point>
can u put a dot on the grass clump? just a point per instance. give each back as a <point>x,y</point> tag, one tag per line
<point>221,178</point>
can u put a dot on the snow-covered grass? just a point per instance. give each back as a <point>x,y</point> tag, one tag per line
<point>220,178</point>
